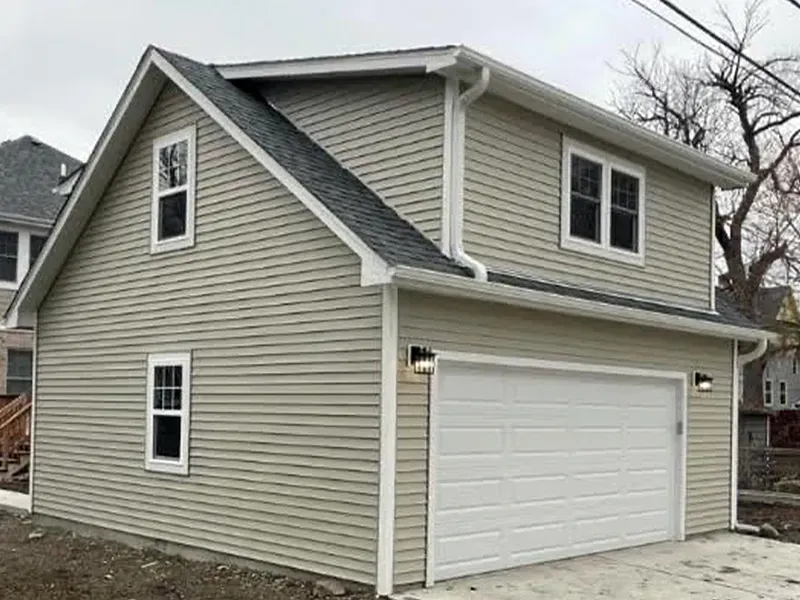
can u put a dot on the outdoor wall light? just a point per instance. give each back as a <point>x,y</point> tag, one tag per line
<point>703,382</point>
<point>421,359</point>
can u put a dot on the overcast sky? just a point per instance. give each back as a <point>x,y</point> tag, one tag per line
<point>65,62</point>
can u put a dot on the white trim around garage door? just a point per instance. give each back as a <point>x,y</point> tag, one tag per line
<point>513,361</point>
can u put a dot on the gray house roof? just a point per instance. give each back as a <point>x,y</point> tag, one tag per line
<point>390,236</point>
<point>29,170</point>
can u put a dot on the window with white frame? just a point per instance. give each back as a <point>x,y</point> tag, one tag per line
<point>169,387</point>
<point>782,393</point>
<point>37,244</point>
<point>767,392</point>
<point>602,205</point>
<point>9,252</point>
<point>172,212</point>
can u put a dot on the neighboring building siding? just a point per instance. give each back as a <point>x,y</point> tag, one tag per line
<point>512,206</point>
<point>18,339</point>
<point>5,298</point>
<point>389,131</point>
<point>780,368</point>
<point>286,369</point>
<point>496,329</point>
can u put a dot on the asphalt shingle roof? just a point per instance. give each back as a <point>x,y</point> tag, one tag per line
<point>389,235</point>
<point>29,170</point>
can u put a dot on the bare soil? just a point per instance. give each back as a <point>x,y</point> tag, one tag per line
<point>61,565</point>
<point>786,519</point>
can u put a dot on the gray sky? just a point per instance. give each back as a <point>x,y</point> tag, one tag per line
<point>65,62</point>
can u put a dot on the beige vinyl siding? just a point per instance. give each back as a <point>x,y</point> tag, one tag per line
<point>483,328</point>
<point>389,131</point>
<point>285,369</point>
<point>512,207</point>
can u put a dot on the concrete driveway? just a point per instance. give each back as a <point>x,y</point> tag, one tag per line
<point>723,566</point>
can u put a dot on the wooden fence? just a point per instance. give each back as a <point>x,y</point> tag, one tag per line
<point>760,468</point>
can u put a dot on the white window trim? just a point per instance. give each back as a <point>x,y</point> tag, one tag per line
<point>783,396</point>
<point>23,251</point>
<point>609,162</point>
<point>151,463</point>
<point>189,134</point>
<point>767,393</point>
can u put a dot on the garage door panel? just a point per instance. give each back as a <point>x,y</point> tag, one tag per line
<point>536,465</point>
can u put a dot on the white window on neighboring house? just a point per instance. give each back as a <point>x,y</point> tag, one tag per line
<point>794,366</point>
<point>169,390</point>
<point>767,392</point>
<point>19,372</point>
<point>9,252</point>
<point>172,211</point>
<point>602,207</point>
<point>782,393</point>
<point>37,244</point>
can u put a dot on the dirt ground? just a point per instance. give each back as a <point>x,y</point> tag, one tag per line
<point>63,566</point>
<point>786,519</point>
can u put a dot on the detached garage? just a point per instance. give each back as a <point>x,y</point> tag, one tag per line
<point>535,461</point>
<point>542,436</point>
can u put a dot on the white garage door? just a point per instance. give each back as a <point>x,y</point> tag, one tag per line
<point>535,465</point>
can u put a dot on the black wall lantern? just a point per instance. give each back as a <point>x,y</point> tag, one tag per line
<point>703,382</point>
<point>422,359</point>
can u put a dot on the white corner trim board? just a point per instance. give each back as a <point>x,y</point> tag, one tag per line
<point>388,441</point>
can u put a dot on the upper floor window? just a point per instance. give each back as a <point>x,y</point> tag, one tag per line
<point>767,392</point>
<point>19,371</point>
<point>172,212</point>
<point>37,243</point>
<point>602,208</point>
<point>782,393</point>
<point>9,250</point>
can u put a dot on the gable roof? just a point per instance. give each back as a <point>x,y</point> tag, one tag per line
<point>514,85</point>
<point>386,243</point>
<point>29,172</point>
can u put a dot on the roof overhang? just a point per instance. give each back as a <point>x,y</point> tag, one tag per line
<point>467,287</point>
<point>515,86</point>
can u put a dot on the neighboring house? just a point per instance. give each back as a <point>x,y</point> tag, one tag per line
<point>393,318</point>
<point>29,172</point>
<point>772,384</point>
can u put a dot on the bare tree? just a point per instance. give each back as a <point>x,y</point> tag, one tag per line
<point>730,109</point>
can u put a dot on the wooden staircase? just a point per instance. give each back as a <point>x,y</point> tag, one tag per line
<point>15,443</point>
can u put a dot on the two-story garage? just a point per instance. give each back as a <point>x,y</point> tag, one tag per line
<point>394,318</point>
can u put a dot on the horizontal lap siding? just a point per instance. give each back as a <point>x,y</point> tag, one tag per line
<point>286,362</point>
<point>475,327</point>
<point>389,131</point>
<point>512,207</point>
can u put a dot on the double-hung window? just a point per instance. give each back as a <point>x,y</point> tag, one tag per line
<point>169,389</point>
<point>172,211</point>
<point>602,207</point>
<point>768,392</point>
<point>37,244</point>
<point>9,253</point>
<point>782,393</point>
<point>19,372</point>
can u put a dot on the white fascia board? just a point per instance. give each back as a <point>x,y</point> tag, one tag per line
<point>373,269</point>
<point>587,117</point>
<point>114,140</point>
<point>411,61</point>
<point>467,287</point>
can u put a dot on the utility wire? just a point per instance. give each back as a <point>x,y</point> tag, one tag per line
<point>794,3</point>
<point>719,39</point>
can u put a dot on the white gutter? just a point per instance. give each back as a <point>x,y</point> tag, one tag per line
<point>458,141</point>
<point>739,362</point>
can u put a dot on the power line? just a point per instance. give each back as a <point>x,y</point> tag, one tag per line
<point>794,3</point>
<point>719,39</point>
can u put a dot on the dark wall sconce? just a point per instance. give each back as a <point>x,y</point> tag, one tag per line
<point>703,382</point>
<point>422,359</point>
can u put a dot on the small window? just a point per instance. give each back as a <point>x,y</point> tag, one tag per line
<point>37,243</point>
<point>9,249</point>
<point>172,219</point>
<point>168,399</point>
<point>794,366</point>
<point>602,205</point>
<point>782,393</point>
<point>19,372</point>
<point>767,392</point>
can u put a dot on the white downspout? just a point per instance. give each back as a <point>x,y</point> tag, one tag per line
<point>739,362</point>
<point>459,107</point>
